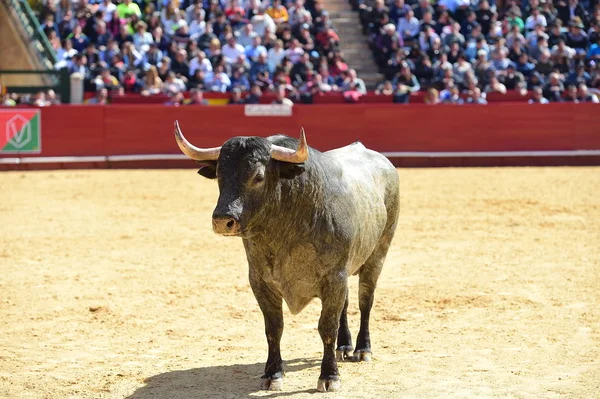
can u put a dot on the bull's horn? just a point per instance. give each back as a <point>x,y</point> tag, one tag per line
<point>299,155</point>
<point>199,154</point>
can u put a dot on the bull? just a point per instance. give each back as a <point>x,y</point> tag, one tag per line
<point>308,220</point>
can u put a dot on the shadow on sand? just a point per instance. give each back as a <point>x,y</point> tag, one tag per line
<point>233,381</point>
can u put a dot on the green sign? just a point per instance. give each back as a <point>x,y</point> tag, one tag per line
<point>20,131</point>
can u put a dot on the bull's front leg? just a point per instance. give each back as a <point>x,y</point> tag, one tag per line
<point>270,301</point>
<point>333,297</point>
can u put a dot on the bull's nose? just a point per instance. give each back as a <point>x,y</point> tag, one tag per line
<point>225,225</point>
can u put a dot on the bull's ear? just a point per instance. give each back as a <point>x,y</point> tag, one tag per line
<point>208,169</point>
<point>290,170</point>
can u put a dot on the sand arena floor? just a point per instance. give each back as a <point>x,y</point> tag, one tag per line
<point>112,285</point>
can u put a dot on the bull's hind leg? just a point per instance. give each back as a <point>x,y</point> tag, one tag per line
<point>368,276</point>
<point>344,338</point>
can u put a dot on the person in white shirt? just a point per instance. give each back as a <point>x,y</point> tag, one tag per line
<point>232,49</point>
<point>275,55</point>
<point>202,63</point>
<point>294,52</point>
<point>534,19</point>
<point>197,25</point>
<point>263,21</point>
<point>108,7</point>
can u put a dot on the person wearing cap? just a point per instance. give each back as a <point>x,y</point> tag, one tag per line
<point>570,9</point>
<point>577,37</point>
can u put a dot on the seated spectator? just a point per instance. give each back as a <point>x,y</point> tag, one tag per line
<point>106,80</point>
<point>255,49</point>
<point>278,12</point>
<point>152,83</point>
<point>176,100</point>
<point>78,39</point>
<point>554,88</point>
<point>576,37</point>
<point>579,76</point>
<point>232,50</point>
<point>584,96</point>
<point>197,98</point>
<point>511,79</point>
<point>236,97</point>
<point>255,95</point>
<point>275,55</point>
<point>494,86</point>
<point>262,22</point>
<point>301,69</point>
<point>130,82</point>
<point>142,38</point>
<point>218,80</point>
<point>476,98</point>
<point>353,82</point>
<point>432,96</point>
<point>239,80</point>
<point>101,97</point>
<point>280,97</point>
<point>172,84</point>
<point>537,97</point>
<point>453,97</point>
<point>571,94</point>
<point>408,26</point>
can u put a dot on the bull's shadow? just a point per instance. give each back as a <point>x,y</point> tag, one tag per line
<point>232,382</point>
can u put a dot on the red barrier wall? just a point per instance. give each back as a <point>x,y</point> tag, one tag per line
<point>148,129</point>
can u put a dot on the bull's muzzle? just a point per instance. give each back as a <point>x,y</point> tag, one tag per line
<point>226,225</point>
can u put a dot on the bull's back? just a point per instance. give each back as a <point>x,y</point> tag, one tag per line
<point>374,183</point>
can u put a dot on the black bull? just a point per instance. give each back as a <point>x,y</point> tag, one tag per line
<point>308,221</point>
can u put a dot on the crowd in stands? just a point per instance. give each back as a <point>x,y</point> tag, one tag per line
<point>175,46</point>
<point>461,50</point>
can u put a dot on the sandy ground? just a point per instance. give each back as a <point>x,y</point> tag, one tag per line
<point>112,285</point>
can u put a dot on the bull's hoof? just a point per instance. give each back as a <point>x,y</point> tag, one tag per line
<point>344,353</point>
<point>331,385</point>
<point>363,355</point>
<point>271,384</point>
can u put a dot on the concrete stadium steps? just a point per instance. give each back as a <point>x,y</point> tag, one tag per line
<point>352,41</point>
<point>17,51</point>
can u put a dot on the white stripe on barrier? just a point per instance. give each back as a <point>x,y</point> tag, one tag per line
<point>414,154</point>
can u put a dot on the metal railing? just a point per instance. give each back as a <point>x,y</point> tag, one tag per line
<point>29,22</point>
<point>62,85</point>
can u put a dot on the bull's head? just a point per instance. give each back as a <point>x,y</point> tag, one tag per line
<point>248,169</point>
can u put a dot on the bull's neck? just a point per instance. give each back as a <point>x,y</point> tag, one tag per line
<point>299,204</point>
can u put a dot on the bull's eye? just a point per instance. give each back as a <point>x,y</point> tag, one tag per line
<point>259,178</point>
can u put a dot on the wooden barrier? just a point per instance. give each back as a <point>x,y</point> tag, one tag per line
<point>148,129</point>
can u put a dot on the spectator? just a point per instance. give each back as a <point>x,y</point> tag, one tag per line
<point>571,94</point>
<point>554,88</point>
<point>584,96</point>
<point>494,86</point>
<point>537,97</point>
<point>275,55</point>
<point>106,80</point>
<point>409,26</point>
<point>218,80</point>
<point>128,8</point>
<point>255,95</point>
<point>476,98</point>
<point>142,38</point>
<point>453,97</point>
<point>197,98</point>
<point>101,97</point>
<point>152,83</point>
<point>280,97</point>
<point>236,97</point>
<point>432,96</point>
<point>278,12</point>
<point>172,84</point>
<point>232,50</point>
